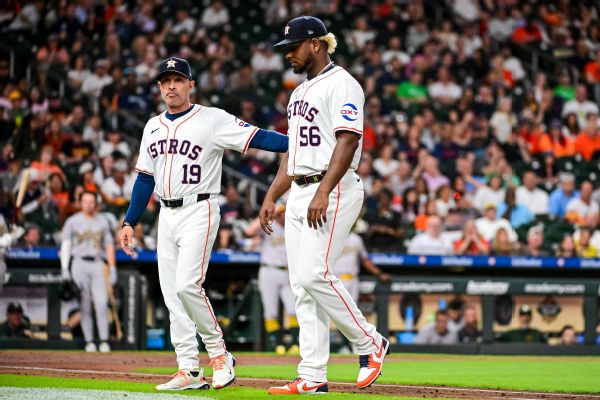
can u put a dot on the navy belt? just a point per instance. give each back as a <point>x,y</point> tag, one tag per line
<point>89,258</point>
<point>176,203</point>
<point>305,180</point>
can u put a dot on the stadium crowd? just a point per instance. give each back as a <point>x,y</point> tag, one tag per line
<point>470,147</point>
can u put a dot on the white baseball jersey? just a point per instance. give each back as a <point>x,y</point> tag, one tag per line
<point>318,108</point>
<point>185,155</point>
<point>272,251</point>
<point>353,252</point>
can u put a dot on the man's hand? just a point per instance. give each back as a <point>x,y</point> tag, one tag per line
<point>384,278</point>
<point>317,210</point>
<point>266,216</point>
<point>127,241</point>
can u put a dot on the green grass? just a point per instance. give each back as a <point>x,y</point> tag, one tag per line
<point>545,374</point>
<point>231,393</point>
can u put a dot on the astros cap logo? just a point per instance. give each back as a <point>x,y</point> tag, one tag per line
<point>171,63</point>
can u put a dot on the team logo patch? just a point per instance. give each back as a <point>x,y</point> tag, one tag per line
<point>241,123</point>
<point>171,63</point>
<point>349,112</point>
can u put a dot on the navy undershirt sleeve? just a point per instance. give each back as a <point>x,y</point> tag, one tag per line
<point>265,139</point>
<point>140,196</point>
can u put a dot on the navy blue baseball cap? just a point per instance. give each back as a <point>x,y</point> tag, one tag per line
<point>174,65</point>
<point>302,28</point>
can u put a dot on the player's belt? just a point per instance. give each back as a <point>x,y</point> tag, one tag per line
<point>88,258</point>
<point>282,267</point>
<point>305,180</point>
<point>176,203</point>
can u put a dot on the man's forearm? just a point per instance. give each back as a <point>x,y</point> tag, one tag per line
<point>342,156</point>
<point>110,255</point>
<point>282,181</point>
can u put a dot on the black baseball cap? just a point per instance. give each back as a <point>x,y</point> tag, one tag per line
<point>302,28</point>
<point>174,65</point>
<point>524,310</point>
<point>14,308</point>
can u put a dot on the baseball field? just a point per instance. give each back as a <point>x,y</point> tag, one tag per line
<point>65,375</point>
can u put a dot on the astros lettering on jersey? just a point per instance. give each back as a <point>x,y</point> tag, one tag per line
<point>186,154</point>
<point>310,126</point>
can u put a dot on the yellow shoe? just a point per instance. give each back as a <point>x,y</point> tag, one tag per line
<point>280,350</point>
<point>294,350</point>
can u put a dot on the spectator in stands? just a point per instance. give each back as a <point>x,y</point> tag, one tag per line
<point>588,141</point>
<point>445,91</point>
<point>590,223</point>
<point>524,333</point>
<point>432,175</point>
<point>360,35</point>
<point>432,241</point>
<point>501,24</point>
<point>412,92</point>
<point>536,199</point>
<point>384,231</point>
<point>516,213</point>
<point>31,238</point>
<point>556,142</point>
<point>114,143</point>
<point>401,179</point>
<point>560,197</point>
<point>117,188</point>
<point>410,206</point>
<point>504,120</point>
<point>568,336</point>
<point>444,200</point>
<point>578,208</point>
<point>385,164</point>
<point>265,60</point>
<point>438,332</point>
<point>580,105</point>
<point>592,75</point>
<point>489,224</point>
<point>45,166</point>
<point>564,90</point>
<point>492,193</point>
<point>535,240</point>
<point>583,245</point>
<point>471,243</point>
<point>17,325</point>
<point>93,84</point>
<point>566,247</point>
<point>429,209</point>
<point>215,16</point>
<point>529,33</point>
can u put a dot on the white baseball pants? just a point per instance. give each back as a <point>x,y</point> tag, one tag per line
<point>274,284</point>
<point>89,277</point>
<point>319,294</point>
<point>185,240</point>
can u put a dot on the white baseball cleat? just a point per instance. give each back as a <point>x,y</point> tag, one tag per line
<point>223,372</point>
<point>370,365</point>
<point>104,348</point>
<point>185,379</point>
<point>90,347</point>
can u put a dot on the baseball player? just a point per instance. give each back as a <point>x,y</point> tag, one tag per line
<point>274,283</point>
<point>347,268</point>
<point>180,160</point>
<point>325,125</point>
<point>86,241</point>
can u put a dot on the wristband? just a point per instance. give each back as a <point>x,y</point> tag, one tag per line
<point>125,223</point>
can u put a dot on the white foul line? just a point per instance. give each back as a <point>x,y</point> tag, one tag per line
<point>449,389</point>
